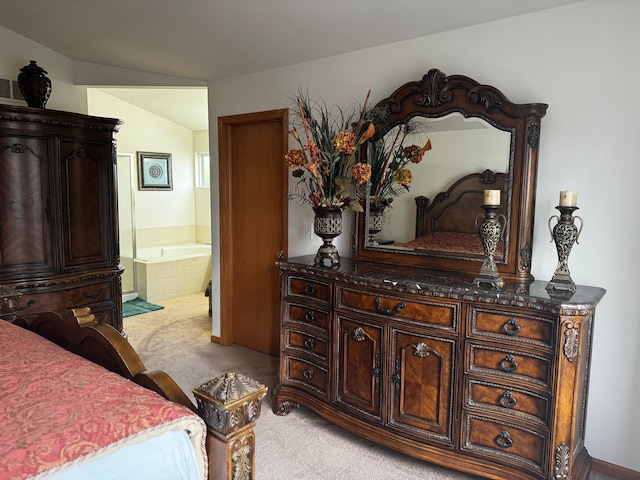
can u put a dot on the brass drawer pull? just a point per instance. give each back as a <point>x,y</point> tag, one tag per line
<point>308,373</point>
<point>511,327</point>
<point>504,440</point>
<point>509,364</point>
<point>507,400</point>
<point>389,311</point>
<point>310,289</point>
<point>310,316</point>
<point>309,343</point>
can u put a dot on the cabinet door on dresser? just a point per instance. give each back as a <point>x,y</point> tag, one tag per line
<point>25,206</point>
<point>87,204</point>
<point>423,383</point>
<point>359,366</point>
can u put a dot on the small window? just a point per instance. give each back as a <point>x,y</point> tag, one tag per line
<point>203,172</point>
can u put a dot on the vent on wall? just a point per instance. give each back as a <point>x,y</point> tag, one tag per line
<point>9,91</point>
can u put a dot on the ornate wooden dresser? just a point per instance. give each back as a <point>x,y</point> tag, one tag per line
<point>58,211</point>
<point>491,382</point>
<point>402,345</point>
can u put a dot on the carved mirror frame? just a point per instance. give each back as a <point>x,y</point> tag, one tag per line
<point>437,95</point>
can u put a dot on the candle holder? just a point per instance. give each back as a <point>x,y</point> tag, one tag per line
<point>565,234</point>
<point>490,232</point>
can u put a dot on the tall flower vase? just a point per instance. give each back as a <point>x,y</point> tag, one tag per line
<point>376,216</point>
<point>327,225</point>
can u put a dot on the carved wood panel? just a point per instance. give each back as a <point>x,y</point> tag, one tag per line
<point>25,222</point>
<point>421,401</point>
<point>360,366</point>
<point>86,205</point>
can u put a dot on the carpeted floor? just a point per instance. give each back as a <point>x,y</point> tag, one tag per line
<point>137,306</point>
<point>299,446</point>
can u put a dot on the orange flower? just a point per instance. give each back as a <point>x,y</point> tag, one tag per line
<point>371,130</point>
<point>345,142</point>
<point>361,172</point>
<point>314,151</point>
<point>313,169</point>
<point>415,153</point>
<point>295,158</point>
<point>403,176</point>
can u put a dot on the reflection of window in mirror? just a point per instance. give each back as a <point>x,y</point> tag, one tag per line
<point>459,146</point>
<point>203,172</point>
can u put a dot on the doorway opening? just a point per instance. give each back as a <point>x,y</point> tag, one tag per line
<point>152,223</point>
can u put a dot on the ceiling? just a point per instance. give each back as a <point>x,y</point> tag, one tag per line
<point>187,107</point>
<point>209,39</point>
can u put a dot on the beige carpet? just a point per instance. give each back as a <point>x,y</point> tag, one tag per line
<point>299,446</point>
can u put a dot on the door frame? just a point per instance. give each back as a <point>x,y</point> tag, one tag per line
<point>225,187</point>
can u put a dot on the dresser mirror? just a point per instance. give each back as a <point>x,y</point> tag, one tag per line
<point>480,141</point>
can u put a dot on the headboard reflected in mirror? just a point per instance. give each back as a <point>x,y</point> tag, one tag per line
<point>479,140</point>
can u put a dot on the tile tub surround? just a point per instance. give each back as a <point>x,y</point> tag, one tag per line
<point>172,271</point>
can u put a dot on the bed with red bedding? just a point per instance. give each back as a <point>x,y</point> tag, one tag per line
<point>448,223</point>
<point>60,410</point>
<point>77,403</point>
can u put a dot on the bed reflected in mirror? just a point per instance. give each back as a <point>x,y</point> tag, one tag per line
<point>459,146</point>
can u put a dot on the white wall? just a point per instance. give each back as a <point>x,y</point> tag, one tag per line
<point>453,153</point>
<point>16,53</point>
<point>582,60</point>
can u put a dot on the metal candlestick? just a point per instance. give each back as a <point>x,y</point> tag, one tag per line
<point>490,232</point>
<point>565,234</point>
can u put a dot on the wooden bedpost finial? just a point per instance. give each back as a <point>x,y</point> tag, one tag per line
<point>230,404</point>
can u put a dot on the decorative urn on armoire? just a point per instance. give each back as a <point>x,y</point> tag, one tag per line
<point>34,85</point>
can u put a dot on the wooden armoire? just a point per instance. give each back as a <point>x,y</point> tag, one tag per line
<point>58,211</point>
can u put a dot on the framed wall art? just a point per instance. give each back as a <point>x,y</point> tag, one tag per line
<point>154,171</point>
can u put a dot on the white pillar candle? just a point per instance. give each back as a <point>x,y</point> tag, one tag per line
<point>568,198</point>
<point>491,197</point>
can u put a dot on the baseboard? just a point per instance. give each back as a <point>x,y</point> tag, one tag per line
<point>615,471</point>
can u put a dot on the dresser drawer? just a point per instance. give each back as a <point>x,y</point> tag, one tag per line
<point>509,363</point>
<point>307,316</point>
<point>61,298</point>
<point>491,438</point>
<point>307,374</point>
<point>309,289</point>
<point>306,342</point>
<point>505,326</point>
<point>507,400</point>
<point>442,315</point>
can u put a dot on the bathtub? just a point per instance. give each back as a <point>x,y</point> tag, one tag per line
<point>172,270</point>
<point>160,254</point>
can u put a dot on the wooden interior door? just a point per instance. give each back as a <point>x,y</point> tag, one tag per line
<point>253,226</point>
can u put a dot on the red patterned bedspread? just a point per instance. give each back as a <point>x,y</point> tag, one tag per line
<point>57,409</point>
<point>451,242</point>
